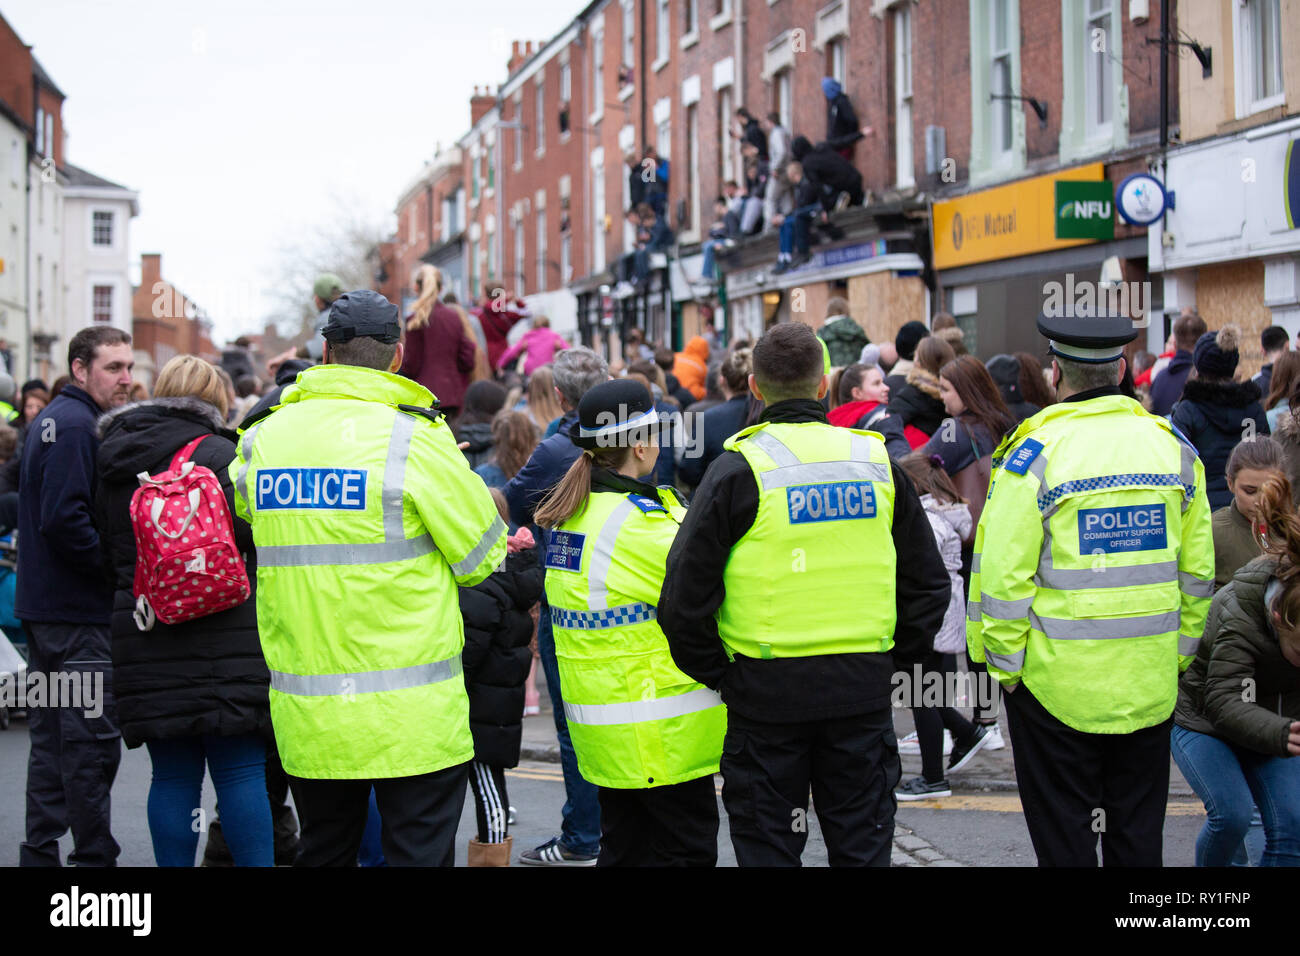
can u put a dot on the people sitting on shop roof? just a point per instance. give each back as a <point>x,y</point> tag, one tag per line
<point>652,235</point>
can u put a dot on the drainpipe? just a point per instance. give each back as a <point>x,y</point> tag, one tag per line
<point>641,88</point>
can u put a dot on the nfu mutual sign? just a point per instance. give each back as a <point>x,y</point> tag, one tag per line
<point>1085,210</point>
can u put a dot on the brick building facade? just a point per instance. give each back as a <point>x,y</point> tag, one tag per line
<point>165,323</point>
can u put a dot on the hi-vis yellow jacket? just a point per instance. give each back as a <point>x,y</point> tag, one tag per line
<point>1094,564</point>
<point>366,517</point>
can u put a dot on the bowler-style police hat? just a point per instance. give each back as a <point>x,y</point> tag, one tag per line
<point>1092,340</point>
<point>362,312</point>
<point>615,414</point>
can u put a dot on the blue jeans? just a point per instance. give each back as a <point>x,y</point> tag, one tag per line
<point>707,267</point>
<point>580,831</point>
<point>238,766</point>
<point>795,229</point>
<point>1231,781</point>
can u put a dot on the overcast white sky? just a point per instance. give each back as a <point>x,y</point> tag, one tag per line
<point>237,122</point>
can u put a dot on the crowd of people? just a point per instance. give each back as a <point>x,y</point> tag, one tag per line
<point>615,525</point>
<point>790,184</point>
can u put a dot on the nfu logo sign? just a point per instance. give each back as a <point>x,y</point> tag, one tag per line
<point>1084,210</point>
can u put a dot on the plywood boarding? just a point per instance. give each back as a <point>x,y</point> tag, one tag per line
<point>882,302</point>
<point>1233,292</point>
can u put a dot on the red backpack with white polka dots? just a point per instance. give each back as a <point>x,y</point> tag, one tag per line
<point>187,564</point>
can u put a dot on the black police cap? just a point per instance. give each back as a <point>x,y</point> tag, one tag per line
<point>613,414</point>
<point>359,313</point>
<point>1092,340</point>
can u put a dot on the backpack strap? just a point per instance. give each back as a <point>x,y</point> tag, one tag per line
<point>182,456</point>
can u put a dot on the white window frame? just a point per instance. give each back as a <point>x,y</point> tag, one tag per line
<point>727,153</point>
<point>904,51</point>
<point>663,35</point>
<point>598,214</point>
<point>112,229</point>
<point>1246,55</point>
<point>40,131</point>
<point>94,307</point>
<point>691,18</point>
<point>989,163</point>
<point>596,77</point>
<point>691,166</point>
<point>723,17</point>
<point>837,54</point>
<point>519,132</point>
<point>521,262</point>
<point>783,86</point>
<point>540,98</point>
<point>629,38</point>
<point>541,251</point>
<point>566,257</point>
<point>1081,69</point>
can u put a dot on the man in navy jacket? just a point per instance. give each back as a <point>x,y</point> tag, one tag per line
<point>578,844</point>
<point>65,600</point>
<point>1167,387</point>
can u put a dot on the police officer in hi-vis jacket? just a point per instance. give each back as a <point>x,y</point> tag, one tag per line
<point>645,733</point>
<point>804,573</point>
<point>366,517</point>
<point>1092,576</point>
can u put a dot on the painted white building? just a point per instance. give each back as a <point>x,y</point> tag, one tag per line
<point>97,218</point>
<point>13,237</point>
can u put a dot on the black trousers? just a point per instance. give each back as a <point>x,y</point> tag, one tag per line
<point>850,763</point>
<point>491,803</point>
<point>676,825</point>
<point>420,815</point>
<point>1075,787</point>
<point>74,756</point>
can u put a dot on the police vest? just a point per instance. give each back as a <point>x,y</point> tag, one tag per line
<point>7,412</point>
<point>636,720</point>
<point>366,517</point>
<point>816,572</point>
<point>1094,564</point>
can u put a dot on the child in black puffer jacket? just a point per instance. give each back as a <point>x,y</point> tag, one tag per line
<point>496,660</point>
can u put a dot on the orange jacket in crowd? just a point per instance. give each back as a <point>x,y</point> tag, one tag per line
<point>692,366</point>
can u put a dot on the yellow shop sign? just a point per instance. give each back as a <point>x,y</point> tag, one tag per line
<point>1003,222</point>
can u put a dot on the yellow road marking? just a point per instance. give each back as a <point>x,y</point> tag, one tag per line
<point>986,803</point>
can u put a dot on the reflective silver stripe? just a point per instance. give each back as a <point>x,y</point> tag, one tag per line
<point>641,711</point>
<point>602,555</point>
<point>475,557</point>
<point>399,447</point>
<point>1073,579</point>
<point>1038,468</point>
<point>241,480</point>
<point>975,563</point>
<point>1100,629</point>
<point>824,471</point>
<point>1003,610</point>
<point>973,612</point>
<point>1193,586</point>
<point>859,448</point>
<point>1188,646</point>
<point>775,449</point>
<point>1005,662</point>
<point>1188,472</point>
<point>365,682</point>
<point>378,552</point>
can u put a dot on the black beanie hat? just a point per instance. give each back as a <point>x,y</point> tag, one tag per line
<point>614,414</point>
<point>1215,355</point>
<point>909,337</point>
<point>1005,370</point>
<point>800,147</point>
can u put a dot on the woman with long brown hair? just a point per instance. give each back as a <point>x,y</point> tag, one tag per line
<point>1239,749</point>
<point>440,353</point>
<point>965,442</point>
